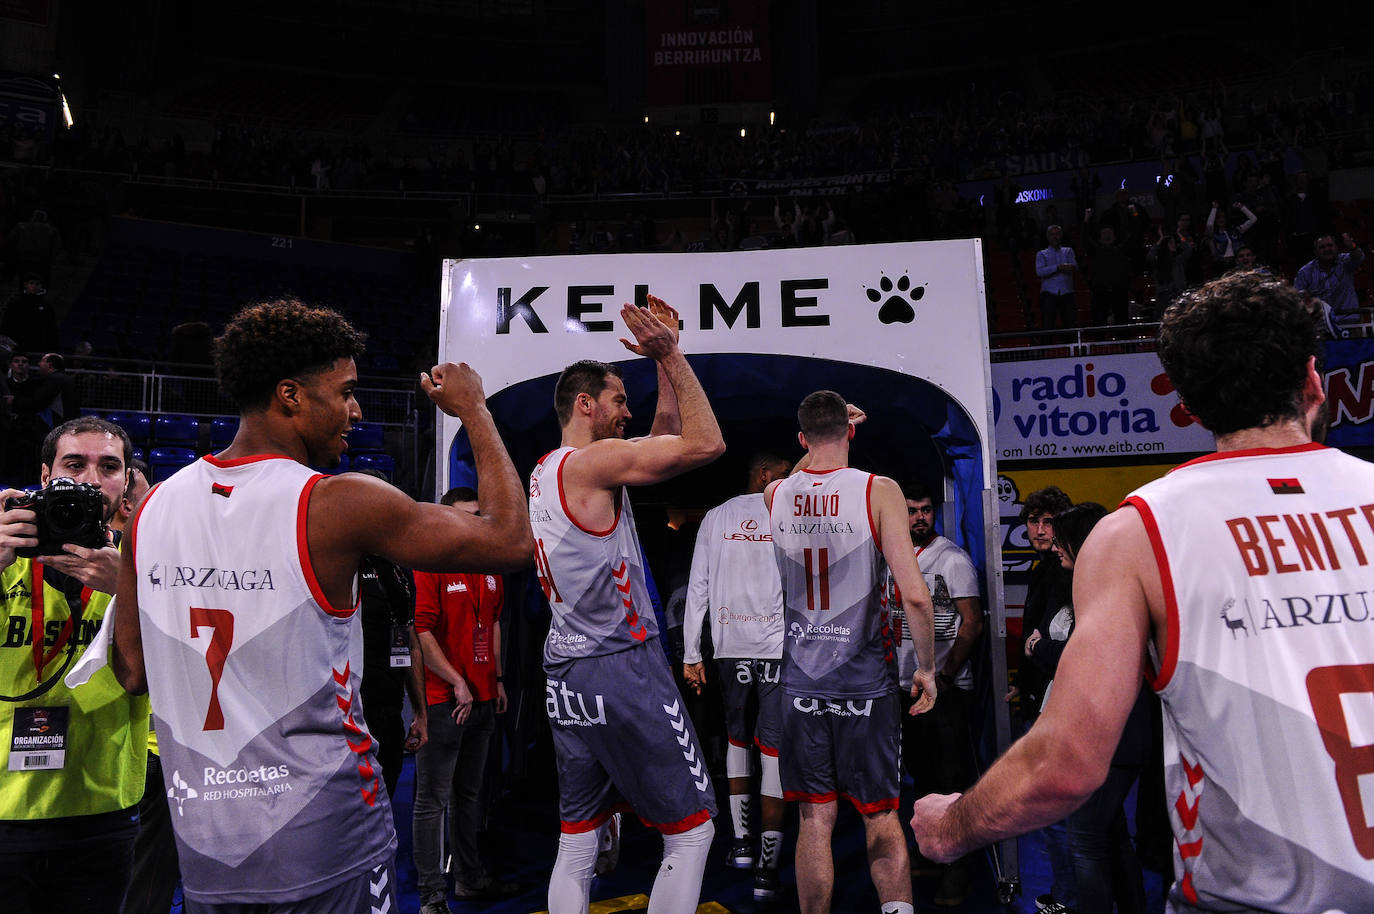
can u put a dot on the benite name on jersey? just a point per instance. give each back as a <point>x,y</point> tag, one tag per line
<point>1313,540</point>
<point>220,578</point>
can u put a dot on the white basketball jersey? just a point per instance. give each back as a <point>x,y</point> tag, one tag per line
<point>254,678</point>
<point>734,582</point>
<point>1267,678</point>
<point>593,580</point>
<point>837,641</point>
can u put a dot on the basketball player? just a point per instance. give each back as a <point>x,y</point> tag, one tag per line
<point>1244,573</point>
<point>835,532</point>
<point>731,583</point>
<point>240,588</point>
<point>622,738</point>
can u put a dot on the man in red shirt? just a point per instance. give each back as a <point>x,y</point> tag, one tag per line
<point>457,618</point>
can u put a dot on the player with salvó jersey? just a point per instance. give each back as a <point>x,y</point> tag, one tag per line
<point>836,530</point>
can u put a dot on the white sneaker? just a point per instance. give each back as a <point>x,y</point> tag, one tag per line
<point>608,850</point>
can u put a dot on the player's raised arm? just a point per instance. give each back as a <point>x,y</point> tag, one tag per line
<point>344,510</point>
<point>611,461</point>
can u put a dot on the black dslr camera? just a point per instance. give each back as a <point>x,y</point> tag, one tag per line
<point>68,512</point>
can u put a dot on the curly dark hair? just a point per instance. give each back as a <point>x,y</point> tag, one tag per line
<point>284,338</point>
<point>1050,500</point>
<point>1236,350</point>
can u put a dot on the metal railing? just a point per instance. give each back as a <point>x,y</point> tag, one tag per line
<point>123,385</point>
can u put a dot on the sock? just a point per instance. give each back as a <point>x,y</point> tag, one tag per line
<point>678,886</point>
<point>571,879</point>
<point>739,814</point>
<point>768,855</point>
<point>890,907</point>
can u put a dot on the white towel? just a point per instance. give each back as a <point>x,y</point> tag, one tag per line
<point>97,654</point>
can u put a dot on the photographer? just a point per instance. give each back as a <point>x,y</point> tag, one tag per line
<point>73,759</point>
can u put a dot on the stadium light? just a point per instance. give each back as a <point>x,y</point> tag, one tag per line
<point>772,118</point>
<point>743,133</point>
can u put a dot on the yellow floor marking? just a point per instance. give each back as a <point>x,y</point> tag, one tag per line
<point>626,904</point>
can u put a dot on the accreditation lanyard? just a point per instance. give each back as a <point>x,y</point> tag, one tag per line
<point>42,658</point>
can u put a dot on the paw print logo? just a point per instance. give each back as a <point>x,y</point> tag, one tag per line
<point>897,308</point>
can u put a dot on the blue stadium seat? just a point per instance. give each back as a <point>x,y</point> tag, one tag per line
<point>138,425</point>
<point>167,460</point>
<point>366,436</point>
<point>382,463</point>
<point>222,430</point>
<point>178,429</point>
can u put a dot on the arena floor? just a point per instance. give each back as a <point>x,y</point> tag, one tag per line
<point>524,834</point>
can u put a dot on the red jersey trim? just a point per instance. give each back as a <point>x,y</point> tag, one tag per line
<point>737,743</point>
<point>681,825</point>
<point>1169,661</point>
<point>823,472</point>
<point>869,809</point>
<point>563,500</point>
<point>797,796</point>
<point>585,825</point>
<point>766,750</point>
<point>868,503</point>
<point>303,553</point>
<point>1253,452</point>
<point>133,526</point>
<point>241,461</point>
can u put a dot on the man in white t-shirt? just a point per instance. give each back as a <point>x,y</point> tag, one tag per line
<point>937,748</point>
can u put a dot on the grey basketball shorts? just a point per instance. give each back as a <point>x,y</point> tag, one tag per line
<point>842,747</point>
<point>623,741</point>
<point>753,702</point>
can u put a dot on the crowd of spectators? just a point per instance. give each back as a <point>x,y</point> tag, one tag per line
<point>955,134</point>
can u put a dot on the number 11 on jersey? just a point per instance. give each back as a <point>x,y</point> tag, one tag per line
<point>817,563</point>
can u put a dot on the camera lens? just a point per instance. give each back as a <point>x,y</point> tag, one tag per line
<point>65,516</point>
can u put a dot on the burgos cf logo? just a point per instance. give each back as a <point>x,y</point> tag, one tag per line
<point>181,791</point>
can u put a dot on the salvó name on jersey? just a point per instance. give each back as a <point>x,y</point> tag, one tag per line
<point>162,577</point>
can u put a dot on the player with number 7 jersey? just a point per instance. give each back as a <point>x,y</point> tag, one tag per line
<point>237,612</point>
<point>254,766</point>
